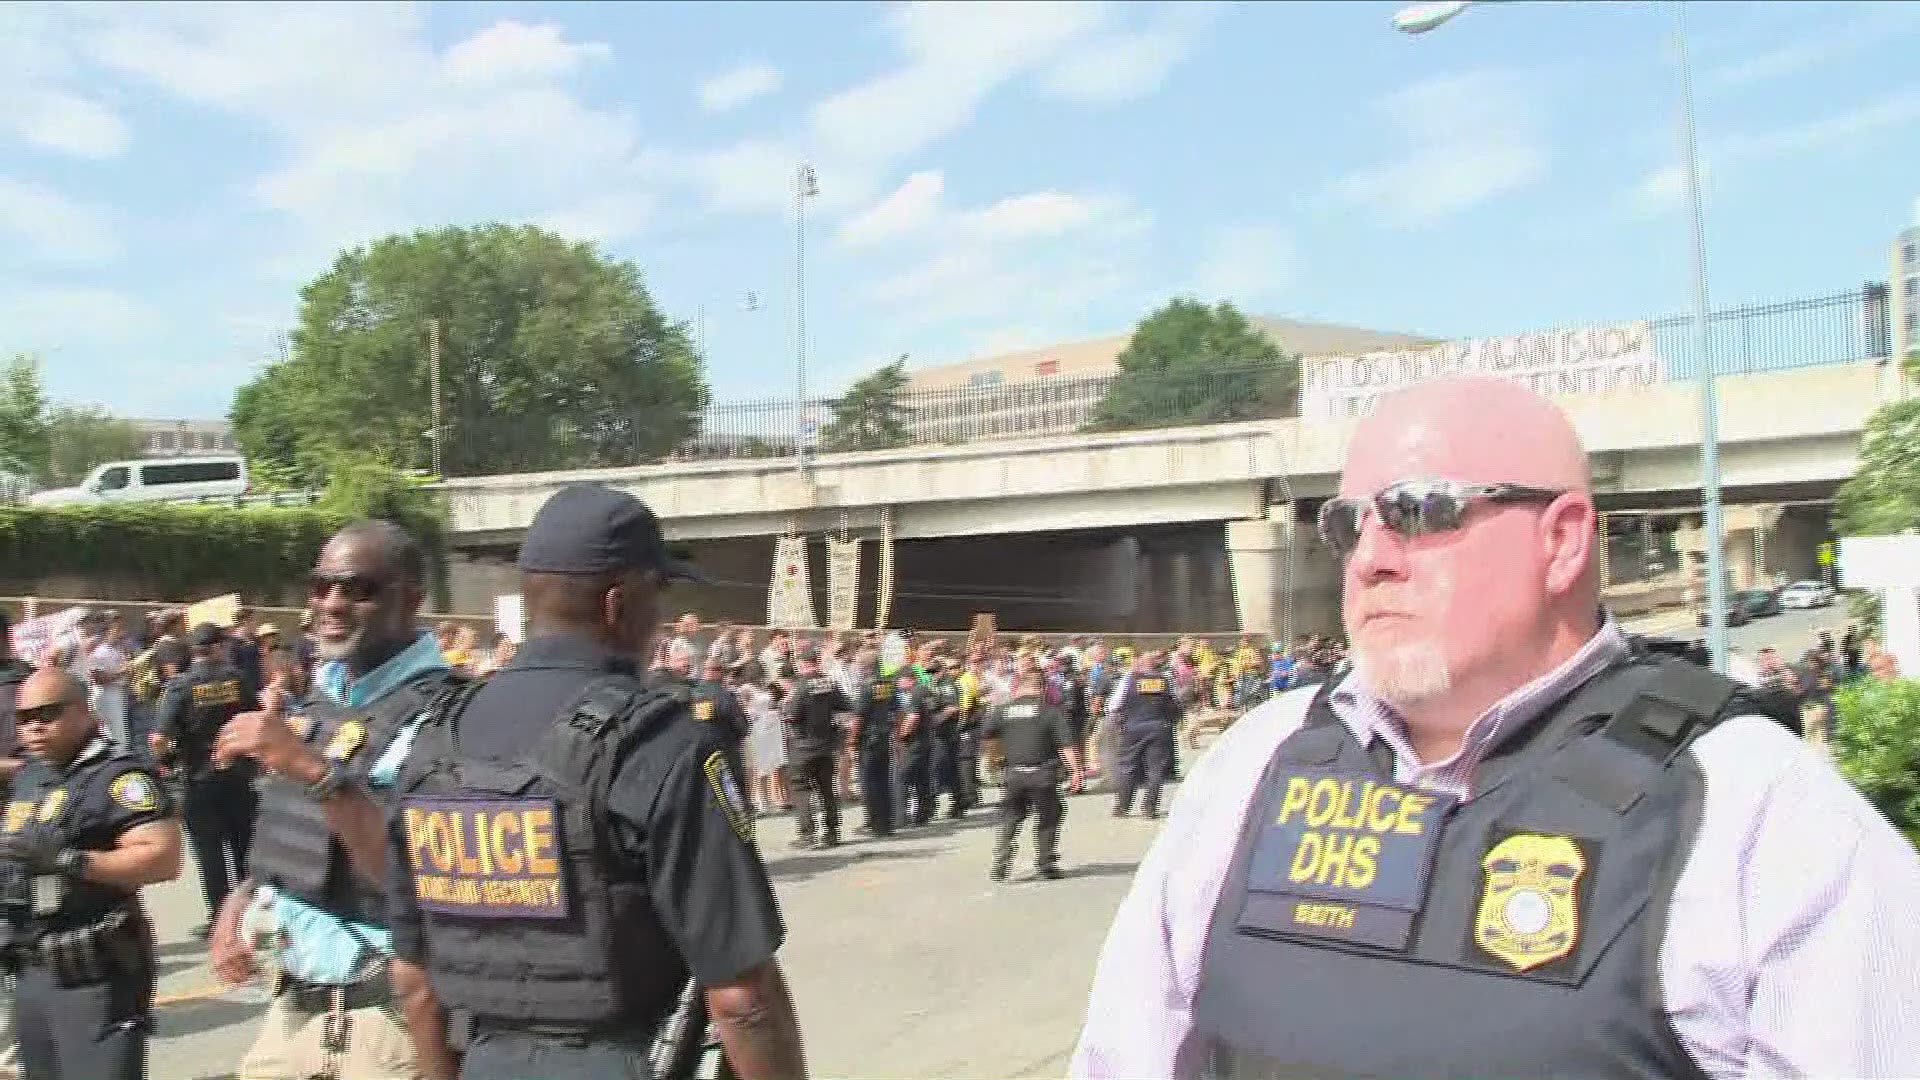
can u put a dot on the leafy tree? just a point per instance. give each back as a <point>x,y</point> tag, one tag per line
<point>80,437</point>
<point>1877,746</point>
<point>551,357</point>
<point>23,418</point>
<point>1883,495</point>
<point>1192,364</point>
<point>869,415</point>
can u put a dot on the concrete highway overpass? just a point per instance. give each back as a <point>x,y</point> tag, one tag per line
<point>1174,529</point>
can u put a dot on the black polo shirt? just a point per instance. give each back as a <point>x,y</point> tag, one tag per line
<point>675,828</point>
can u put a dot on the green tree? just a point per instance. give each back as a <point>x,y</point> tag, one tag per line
<point>80,437</point>
<point>869,416</point>
<point>23,418</point>
<point>552,356</point>
<point>1192,364</point>
<point>1877,746</point>
<point>1883,495</point>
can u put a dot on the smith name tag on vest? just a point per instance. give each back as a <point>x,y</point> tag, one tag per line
<point>1343,856</point>
<point>486,858</point>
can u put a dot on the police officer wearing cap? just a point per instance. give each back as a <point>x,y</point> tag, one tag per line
<point>816,713</point>
<point>714,702</point>
<point>874,739</point>
<point>571,849</point>
<point>87,826</point>
<point>1034,739</point>
<point>1506,843</point>
<point>217,803</point>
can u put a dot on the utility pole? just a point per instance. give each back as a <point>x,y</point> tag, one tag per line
<point>433,389</point>
<point>806,185</point>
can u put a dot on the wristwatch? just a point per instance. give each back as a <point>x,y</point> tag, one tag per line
<point>72,862</point>
<point>331,782</point>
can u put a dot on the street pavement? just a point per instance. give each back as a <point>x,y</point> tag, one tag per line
<point>1792,632</point>
<point>905,959</point>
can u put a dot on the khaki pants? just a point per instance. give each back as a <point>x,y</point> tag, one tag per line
<point>289,1046</point>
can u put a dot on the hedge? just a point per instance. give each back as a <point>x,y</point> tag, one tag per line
<point>176,549</point>
<point>1877,746</point>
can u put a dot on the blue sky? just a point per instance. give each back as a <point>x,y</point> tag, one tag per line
<point>991,177</point>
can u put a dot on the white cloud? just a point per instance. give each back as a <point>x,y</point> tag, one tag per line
<point>39,75</point>
<point>57,120</point>
<point>383,131</point>
<point>912,207</point>
<point>512,51</point>
<point>1468,138</point>
<point>732,89</point>
<point>1662,189</point>
<point>1247,264</point>
<point>1871,26</point>
<point>1125,65</point>
<point>54,227</point>
<point>1044,214</point>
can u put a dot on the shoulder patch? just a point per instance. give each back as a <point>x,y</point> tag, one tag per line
<point>301,724</point>
<point>726,792</point>
<point>135,791</point>
<point>51,806</point>
<point>346,741</point>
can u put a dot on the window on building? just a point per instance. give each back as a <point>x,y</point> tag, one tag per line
<point>1046,367</point>
<point>984,378</point>
<point>157,442</point>
<point>1912,287</point>
<point>1907,253</point>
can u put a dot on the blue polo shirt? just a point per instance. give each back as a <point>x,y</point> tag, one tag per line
<point>317,946</point>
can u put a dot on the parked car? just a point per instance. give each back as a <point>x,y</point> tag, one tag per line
<point>1737,614</point>
<point>1806,594</point>
<point>1759,603</point>
<point>154,480</point>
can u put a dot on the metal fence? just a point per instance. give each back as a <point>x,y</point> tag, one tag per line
<point>1842,327</point>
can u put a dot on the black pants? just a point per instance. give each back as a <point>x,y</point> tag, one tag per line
<point>1144,759</point>
<point>876,787</point>
<point>916,783</point>
<point>219,814</point>
<point>1035,791</point>
<point>813,781</point>
<point>966,767</point>
<point>498,1055</point>
<point>93,1032</point>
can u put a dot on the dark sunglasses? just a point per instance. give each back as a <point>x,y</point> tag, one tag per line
<point>50,713</point>
<point>357,588</point>
<point>1412,508</point>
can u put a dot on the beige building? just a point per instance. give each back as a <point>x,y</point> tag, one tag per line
<point>1903,288</point>
<point>180,438</point>
<point>1055,389</point>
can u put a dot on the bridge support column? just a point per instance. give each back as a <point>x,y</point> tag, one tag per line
<point>1283,582</point>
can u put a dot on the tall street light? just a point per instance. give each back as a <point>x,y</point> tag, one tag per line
<point>1420,18</point>
<point>805,186</point>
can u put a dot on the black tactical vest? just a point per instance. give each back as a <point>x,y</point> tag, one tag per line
<point>525,927</point>
<point>1369,929</point>
<point>879,714</point>
<point>293,850</point>
<point>214,695</point>
<point>1147,702</point>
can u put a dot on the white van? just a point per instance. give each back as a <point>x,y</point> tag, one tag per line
<point>182,479</point>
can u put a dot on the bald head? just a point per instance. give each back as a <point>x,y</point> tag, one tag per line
<point>49,686</point>
<point>1478,429</point>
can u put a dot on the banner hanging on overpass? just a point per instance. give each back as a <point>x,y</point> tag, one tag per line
<point>1584,360</point>
<point>790,596</point>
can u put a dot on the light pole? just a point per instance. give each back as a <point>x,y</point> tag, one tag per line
<point>1420,18</point>
<point>805,186</point>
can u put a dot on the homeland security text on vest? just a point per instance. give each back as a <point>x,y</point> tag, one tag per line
<point>486,857</point>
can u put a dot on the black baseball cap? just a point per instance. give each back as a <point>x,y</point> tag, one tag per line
<point>595,529</point>
<point>207,635</point>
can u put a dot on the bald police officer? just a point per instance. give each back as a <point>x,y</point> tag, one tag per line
<point>571,847</point>
<point>1034,739</point>
<point>87,827</point>
<point>1505,844</point>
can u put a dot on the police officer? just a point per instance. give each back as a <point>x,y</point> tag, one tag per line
<point>1146,713</point>
<point>318,860</point>
<point>571,848</point>
<point>1505,844</point>
<point>715,702</point>
<point>816,713</point>
<point>915,725</point>
<point>87,826</point>
<point>1034,738</point>
<point>944,701</point>
<point>218,804</point>
<point>874,738</point>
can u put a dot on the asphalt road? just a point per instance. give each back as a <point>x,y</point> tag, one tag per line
<point>1791,632</point>
<point>905,960</point>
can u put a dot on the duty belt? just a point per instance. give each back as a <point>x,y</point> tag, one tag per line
<point>79,956</point>
<point>371,989</point>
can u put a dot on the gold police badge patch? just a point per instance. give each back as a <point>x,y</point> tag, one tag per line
<point>726,792</point>
<point>136,792</point>
<point>346,741</point>
<point>51,806</point>
<point>1529,908</point>
<point>703,710</point>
